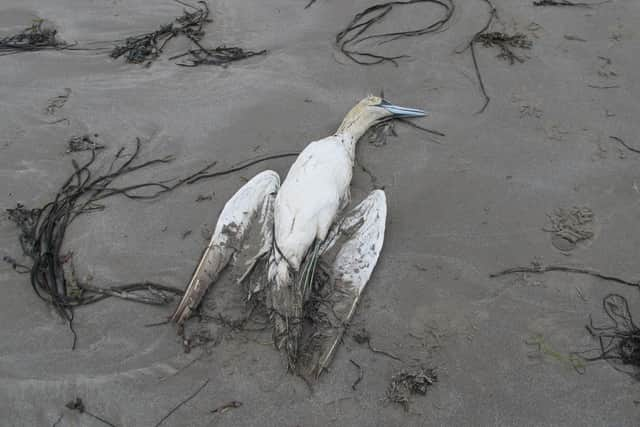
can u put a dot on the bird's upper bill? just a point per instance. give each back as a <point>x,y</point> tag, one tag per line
<point>385,108</point>
<point>398,111</point>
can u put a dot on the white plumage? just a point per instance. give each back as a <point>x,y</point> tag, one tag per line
<point>295,222</point>
<point>315,190</point>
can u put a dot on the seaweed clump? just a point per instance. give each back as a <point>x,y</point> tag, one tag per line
<point>407,382</point>
<point>147,47</point>
<point>619,342</point>
<point>36,37</point>
<point>506,43</point>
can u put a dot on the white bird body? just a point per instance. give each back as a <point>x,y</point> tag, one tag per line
<point>295,220</point>
<point>315,190</point>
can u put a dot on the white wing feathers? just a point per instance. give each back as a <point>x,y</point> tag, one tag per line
<point>251,203</point>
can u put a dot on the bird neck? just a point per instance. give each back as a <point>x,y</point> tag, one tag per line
<point>350,132</point>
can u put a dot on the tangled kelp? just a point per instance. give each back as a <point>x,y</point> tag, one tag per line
<point>620,342</point>
<point>354,32</point>
<point>42,230</point>
<point>39,36</point>
<point>147,47</point>
<point>42,233</point>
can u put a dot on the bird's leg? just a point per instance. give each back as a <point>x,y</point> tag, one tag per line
<point>252,203</point>
<point>352,251</point>
<point>308,270</point>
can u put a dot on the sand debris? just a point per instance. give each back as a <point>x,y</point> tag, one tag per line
<point>570,226</point>
<point>84,142</point>
<point>226,406</point>
<point>39,36</point>
<point>408,382</point>
<point>57,102</point>
<point>78,405</point>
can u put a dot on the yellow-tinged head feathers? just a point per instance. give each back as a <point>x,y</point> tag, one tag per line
<point>371,110</point>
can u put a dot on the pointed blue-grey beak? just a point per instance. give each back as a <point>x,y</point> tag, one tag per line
<point>398,111</point>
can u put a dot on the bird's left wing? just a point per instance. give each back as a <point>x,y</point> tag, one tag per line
<point>351,250</point>
<point>252,205</point>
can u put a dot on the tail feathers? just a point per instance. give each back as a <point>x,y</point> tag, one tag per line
<point>285,301</point>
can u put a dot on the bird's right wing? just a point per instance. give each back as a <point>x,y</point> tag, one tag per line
<point>252,205</point>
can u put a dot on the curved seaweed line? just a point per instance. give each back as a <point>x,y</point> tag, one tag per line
<point>352,34</point>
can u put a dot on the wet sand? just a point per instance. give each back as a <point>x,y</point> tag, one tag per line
<point>459,210</point>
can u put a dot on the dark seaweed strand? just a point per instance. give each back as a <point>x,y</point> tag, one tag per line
<point>493,14</point>
<point>567,3</point>
<point>540,269</point>
<point>354,32</point>
<point>175,408</point>
<point>221,55</point>
<point>195,178</point>
<point>624,144</point>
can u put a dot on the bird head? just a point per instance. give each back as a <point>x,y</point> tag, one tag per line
<point>373,109</point>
